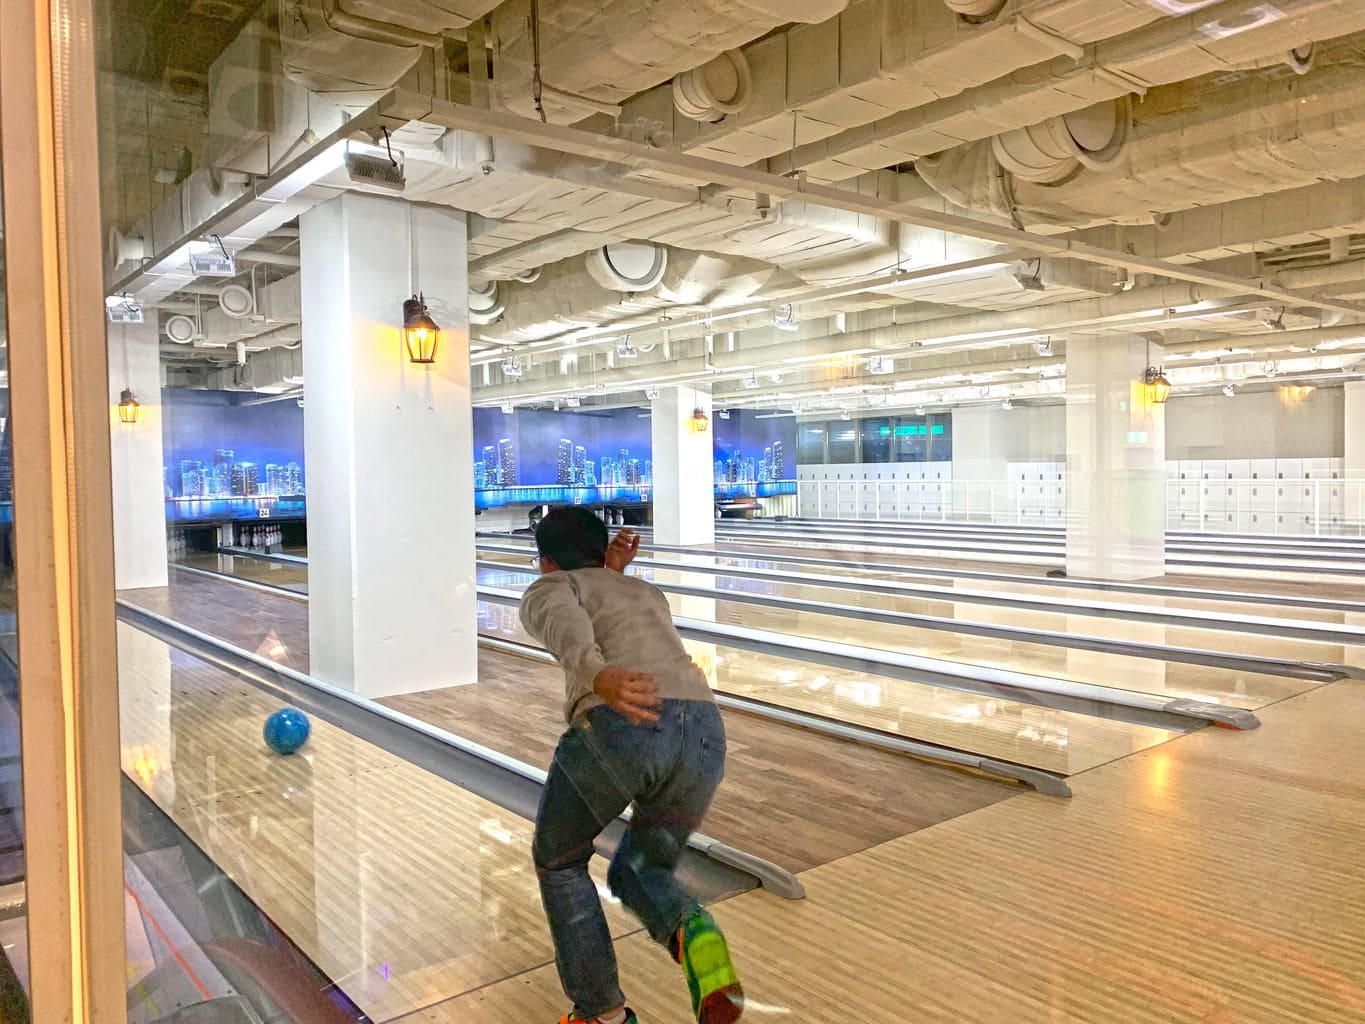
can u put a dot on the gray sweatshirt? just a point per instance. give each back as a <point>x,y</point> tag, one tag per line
<point>591,618</point>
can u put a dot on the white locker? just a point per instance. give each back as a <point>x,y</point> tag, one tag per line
<point>1289,469</point>
<point>1238,469</point>
<point>1262,469</point>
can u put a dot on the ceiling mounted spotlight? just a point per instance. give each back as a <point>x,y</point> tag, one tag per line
<point>723,413</point>
<point>420,331</point>
<point>1007,404</point>
<point>846,415</point>
<point>1275,323</point>
<point>511,367</point>
<point>651,391</point>
<point>776,378</point>
<point>919,410</point>
<point>1228,391</point>
<point>1270,368</point>
<point>123,309</point>
<point>507,408</point>
<point>784,319</point>
<point>572,402</point>
<point>1044,347</point>
<point>1030,282</point>
<point>881,365</point>
<point>213,261</point>
<point>625,350</point>
<point>750,381</point>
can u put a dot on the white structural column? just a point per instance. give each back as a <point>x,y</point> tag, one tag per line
<point>388,446</point>
<point>684,490</point>
<point>1115,458</point>
<point>980,461</point>
<point>1355,429</point>
<point>136,462</point>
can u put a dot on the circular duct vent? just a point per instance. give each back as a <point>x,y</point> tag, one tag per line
<point>181,329</point>
<point>628,266</point>
<point>529,276</point>
<point>1056,150</point>
<point>1300,59</point>
<point>975,10</point>
<point>485,305</point>
<point>719,87</point>
<point>236,302</point>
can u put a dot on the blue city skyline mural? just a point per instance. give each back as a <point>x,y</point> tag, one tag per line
<point>542,456</point>
<point>225,459</point>
<point>755,453</point>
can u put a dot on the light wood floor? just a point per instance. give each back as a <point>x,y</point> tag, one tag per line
<point>1214,880</point>
<point>403,888</point>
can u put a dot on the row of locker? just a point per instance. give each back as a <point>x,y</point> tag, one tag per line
<point>1257,469</point>
<point>878,471</point>
<point>1256,522</point>
<point>1326,496</point>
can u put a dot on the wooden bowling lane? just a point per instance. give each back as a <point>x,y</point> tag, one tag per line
<point>1035,735</point>
<point>404,889</point>
<point>1145,675</point>
<point>1027,581</point>
<point>792,796</point>
<point>1212,880</point>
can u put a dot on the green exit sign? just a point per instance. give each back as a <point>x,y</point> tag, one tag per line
<point>913,430</point>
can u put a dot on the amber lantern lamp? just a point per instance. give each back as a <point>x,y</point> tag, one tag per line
<point>420,332</point>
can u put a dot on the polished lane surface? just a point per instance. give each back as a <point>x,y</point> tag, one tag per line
<point>1040,737</point>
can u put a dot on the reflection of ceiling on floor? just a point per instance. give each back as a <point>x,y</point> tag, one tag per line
<point>1225,136</point>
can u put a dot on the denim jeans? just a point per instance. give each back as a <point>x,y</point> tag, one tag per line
<point>669,772</point>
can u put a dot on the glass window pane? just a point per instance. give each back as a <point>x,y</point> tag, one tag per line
<point>843,441</point>
<point>810,445</point>
<point>876,437</point>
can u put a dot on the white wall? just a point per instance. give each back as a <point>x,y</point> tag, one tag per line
<point>136,458</point>
<point>1256,426</point>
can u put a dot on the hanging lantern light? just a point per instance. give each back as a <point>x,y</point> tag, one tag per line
<point>700,421</point>
<point>1158,385</point>
<point>420,332</point>
<point>129,407</point>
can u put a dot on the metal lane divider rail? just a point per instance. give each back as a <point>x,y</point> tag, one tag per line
<point>502,780</point>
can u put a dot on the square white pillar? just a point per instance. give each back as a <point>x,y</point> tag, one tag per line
<point>136,461</point>
<point>1115,445</point>
<point>684,487</point>
<point>391,578</point>
<point>980,463</point>
<point>1355,430</point>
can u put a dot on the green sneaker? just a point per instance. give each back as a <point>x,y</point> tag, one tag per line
<point>717,997</point>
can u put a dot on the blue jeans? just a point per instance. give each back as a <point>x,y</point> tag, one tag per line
<point>603,764</point>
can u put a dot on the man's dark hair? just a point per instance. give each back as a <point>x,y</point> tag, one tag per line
<point>572,537</point>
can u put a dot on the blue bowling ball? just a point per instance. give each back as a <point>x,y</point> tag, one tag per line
<point>286,730</point>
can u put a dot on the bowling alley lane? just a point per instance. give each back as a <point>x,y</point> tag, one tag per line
<point>332,843</point>
<point>1146,675</point>
<point>1037,736</point>
<point>1180,592</point>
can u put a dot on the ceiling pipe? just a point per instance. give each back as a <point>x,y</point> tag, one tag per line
<point>562,139</point>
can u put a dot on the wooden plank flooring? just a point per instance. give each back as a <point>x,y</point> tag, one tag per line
<point>403,888</point>
<point>1213,880</point>
<point>790,795</point>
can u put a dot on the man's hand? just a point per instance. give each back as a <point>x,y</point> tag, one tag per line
<point>628,693</point>
<point>622,550</point>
